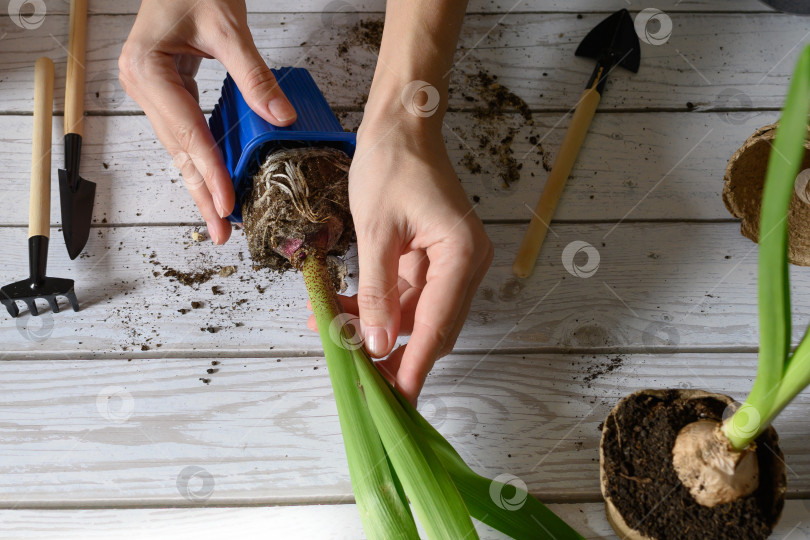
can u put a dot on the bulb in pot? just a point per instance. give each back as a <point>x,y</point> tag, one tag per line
<point>712,470</point>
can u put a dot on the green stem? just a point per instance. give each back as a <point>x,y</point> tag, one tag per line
<point>431,490</point>
<point>796,379</point>
<point>383,509</point>
<point>767,398</point>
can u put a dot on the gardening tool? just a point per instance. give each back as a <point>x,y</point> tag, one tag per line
<point>245,139</point>
<point>76,193</point>
<point>39,214</point>
<point>613,42</point>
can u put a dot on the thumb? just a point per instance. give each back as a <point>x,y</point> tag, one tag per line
<point>257,83</point>
<point>377,292</point>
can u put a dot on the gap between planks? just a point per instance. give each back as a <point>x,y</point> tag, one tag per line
<point>303,353</point>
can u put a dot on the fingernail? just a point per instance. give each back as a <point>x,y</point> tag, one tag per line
<point>212,232</point>
<point>376,340</point>
<point>219,206</point>
<point>281,109</point>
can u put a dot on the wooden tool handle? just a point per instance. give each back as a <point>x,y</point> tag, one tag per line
<point>39,209</point>
<point>563,163</point>
<point>74,85</point>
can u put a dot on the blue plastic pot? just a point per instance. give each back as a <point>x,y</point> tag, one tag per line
<point>245,139</point>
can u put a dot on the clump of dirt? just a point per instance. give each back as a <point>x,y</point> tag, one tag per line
<point>493,98</point>
<point>495,129</point>
<point>190,278</point>
<point>299,196</point>
<point>366,33</point>
<point>594,371</point>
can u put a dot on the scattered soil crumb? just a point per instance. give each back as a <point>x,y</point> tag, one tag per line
<point>227,271</point>
<point>595,371</point>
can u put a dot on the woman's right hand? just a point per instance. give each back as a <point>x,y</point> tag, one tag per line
<point>157,67</point>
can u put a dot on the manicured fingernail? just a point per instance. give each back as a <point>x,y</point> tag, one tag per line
<point>219,206</point>
<point>281,109</point>
<point>376,340</point>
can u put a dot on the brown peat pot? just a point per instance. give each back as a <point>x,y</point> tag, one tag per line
<point>644,498</point>
<point>742,193</point>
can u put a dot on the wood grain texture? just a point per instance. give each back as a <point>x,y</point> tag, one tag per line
<point>327,522</point>
<point>143,400</point>
<point>40,188</point>
<point>265,431</point>
<point>710,60</point>
<point>657,287</point>
<point>74,72</point>
<point>639,166</point>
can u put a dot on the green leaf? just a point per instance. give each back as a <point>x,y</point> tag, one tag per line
<point>529,519</point>
<point>383,510</point>
<point>431,490</point>
<point>786,156</point>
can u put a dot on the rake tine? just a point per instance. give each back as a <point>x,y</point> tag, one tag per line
<point>54,304</point>
<point>12,308</point>
<point>71,296</point>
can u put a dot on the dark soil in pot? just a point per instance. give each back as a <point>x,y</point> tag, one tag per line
<point>644,497</point>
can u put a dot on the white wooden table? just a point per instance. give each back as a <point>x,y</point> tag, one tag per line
<point>141,417</point>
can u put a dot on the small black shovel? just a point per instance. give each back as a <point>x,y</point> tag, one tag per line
<point>613,42</point>
<point>39,210</point>
<point>76,194</point>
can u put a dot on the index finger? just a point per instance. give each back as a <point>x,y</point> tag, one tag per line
<point>181,127</point>
<point>441,303</point>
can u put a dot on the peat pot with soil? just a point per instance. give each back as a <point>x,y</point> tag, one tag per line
<point>692,464</point>
<point>297,217</point>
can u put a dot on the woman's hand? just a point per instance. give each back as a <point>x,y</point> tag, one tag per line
<point>157,67</point>
<point>422,249</point>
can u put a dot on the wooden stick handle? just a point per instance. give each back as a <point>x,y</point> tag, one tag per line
<point>74,85</point>
<point>39,209</point>
<point>563,164</point>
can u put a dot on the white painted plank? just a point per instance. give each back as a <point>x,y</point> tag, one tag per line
<point>117,433</point>
<point>711,60</point>
<point>331,522</point>
<point>475,6</point>
<point>633,165</point>
<point>696,280</point>
<point>290,522</point>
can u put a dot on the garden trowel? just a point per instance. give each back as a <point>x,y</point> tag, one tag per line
<point>76,193</point>
<point>612,43</point>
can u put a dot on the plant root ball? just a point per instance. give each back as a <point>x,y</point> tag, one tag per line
<point>299,202</point>
<point>713,471</point>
